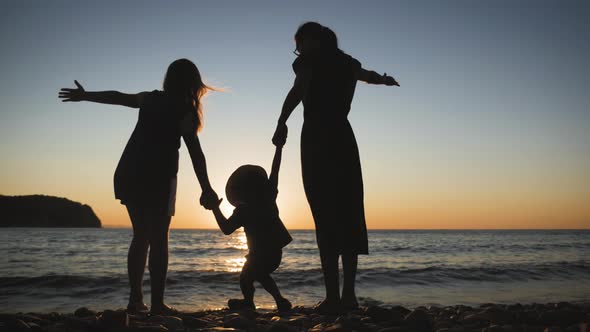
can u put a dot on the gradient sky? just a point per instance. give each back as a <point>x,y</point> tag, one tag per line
<point>490,128</point>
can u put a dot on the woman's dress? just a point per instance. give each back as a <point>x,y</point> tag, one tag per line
<point>330,160</point>
<point>146,173</point>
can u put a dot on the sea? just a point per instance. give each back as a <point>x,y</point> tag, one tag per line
<point>60,270</point>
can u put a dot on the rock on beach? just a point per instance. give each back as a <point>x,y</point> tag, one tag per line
<point>550,317</point>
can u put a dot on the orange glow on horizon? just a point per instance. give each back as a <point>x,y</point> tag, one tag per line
<point>426,216</point>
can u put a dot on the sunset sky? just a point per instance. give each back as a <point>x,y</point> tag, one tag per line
<point>489,129</point>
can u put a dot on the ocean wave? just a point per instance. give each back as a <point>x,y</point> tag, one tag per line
<point>431,275</point>
<point>196,252</point>
<point>449,248</point>
<point>60,281</point>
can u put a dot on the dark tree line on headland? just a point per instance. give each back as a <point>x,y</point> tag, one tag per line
<point>45,211</point>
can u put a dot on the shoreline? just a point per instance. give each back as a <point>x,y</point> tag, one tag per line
<point>487,317</point>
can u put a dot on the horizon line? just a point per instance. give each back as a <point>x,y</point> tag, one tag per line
<point>399,229</point>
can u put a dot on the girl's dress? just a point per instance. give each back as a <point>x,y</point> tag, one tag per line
<point>330,161</point>
<point>146,173</point>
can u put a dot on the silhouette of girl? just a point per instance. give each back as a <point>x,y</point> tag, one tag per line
<point>145,179</point>
<point>325,82</point>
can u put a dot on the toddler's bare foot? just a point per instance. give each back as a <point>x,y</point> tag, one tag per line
<point>283,305</point>
<point>239,304</point>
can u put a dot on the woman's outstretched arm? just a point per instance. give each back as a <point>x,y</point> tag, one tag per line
<point>103,97</point>
<point>372,77</point>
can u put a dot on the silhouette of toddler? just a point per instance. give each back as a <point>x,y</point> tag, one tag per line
<point>253,195</point>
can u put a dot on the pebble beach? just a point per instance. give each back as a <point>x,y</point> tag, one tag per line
<point>549,317</point>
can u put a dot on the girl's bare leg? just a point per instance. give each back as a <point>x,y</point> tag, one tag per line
<point>158,260</point>
<point>349,266</point>
<point>136,259</point>
<point>331,280</point>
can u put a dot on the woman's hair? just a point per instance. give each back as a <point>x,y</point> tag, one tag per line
<point>325,36</point>
<point>184,84</point>
<point>329,40</point>
<point>311,30</point>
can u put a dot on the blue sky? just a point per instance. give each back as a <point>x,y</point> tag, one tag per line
<point>491,125</point>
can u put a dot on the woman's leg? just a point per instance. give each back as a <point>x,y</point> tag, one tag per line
<point>136,258</point>
<point>158,259</point>
<point>349,265</point>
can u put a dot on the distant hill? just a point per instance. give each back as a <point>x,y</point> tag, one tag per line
<point>45,211</point>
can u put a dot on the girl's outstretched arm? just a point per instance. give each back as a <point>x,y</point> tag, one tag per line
<point>208,196</point>
<point>372,77</point>
<point>103,97</point>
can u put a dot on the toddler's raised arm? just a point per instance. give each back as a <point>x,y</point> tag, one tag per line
<point>276,166</point>
<point>279,140</point>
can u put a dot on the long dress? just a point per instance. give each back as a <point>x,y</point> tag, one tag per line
<point>146,173</point>
<point>330,162</point>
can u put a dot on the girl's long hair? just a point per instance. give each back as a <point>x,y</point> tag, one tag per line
<point>184,84</point>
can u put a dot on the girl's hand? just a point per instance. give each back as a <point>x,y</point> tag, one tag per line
<point>280,136</point>
<point>388,80</point>
<point>72,94</point>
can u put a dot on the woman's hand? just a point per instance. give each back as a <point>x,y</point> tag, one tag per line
<point>280,136</point>
<point>388,80</point>
<point>72,94</point>
<point>213,205</point>
<point>209,199</point>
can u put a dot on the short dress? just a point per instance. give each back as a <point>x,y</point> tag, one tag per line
<point>330,161</point>
<point>146,174</point>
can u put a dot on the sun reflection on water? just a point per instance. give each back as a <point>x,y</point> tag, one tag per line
<point>238,241</point>
<point>235,264</point>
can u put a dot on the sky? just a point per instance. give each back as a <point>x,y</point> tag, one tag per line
<point>489,129</point>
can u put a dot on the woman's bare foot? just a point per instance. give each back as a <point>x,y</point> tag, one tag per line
<point>164,310</point>
<point>349,303</point>
<point>137,307</point>
<point>328,307</point>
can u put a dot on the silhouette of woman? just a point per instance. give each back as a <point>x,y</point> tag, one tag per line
<point>325,82</point>
<point>145,179</point>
